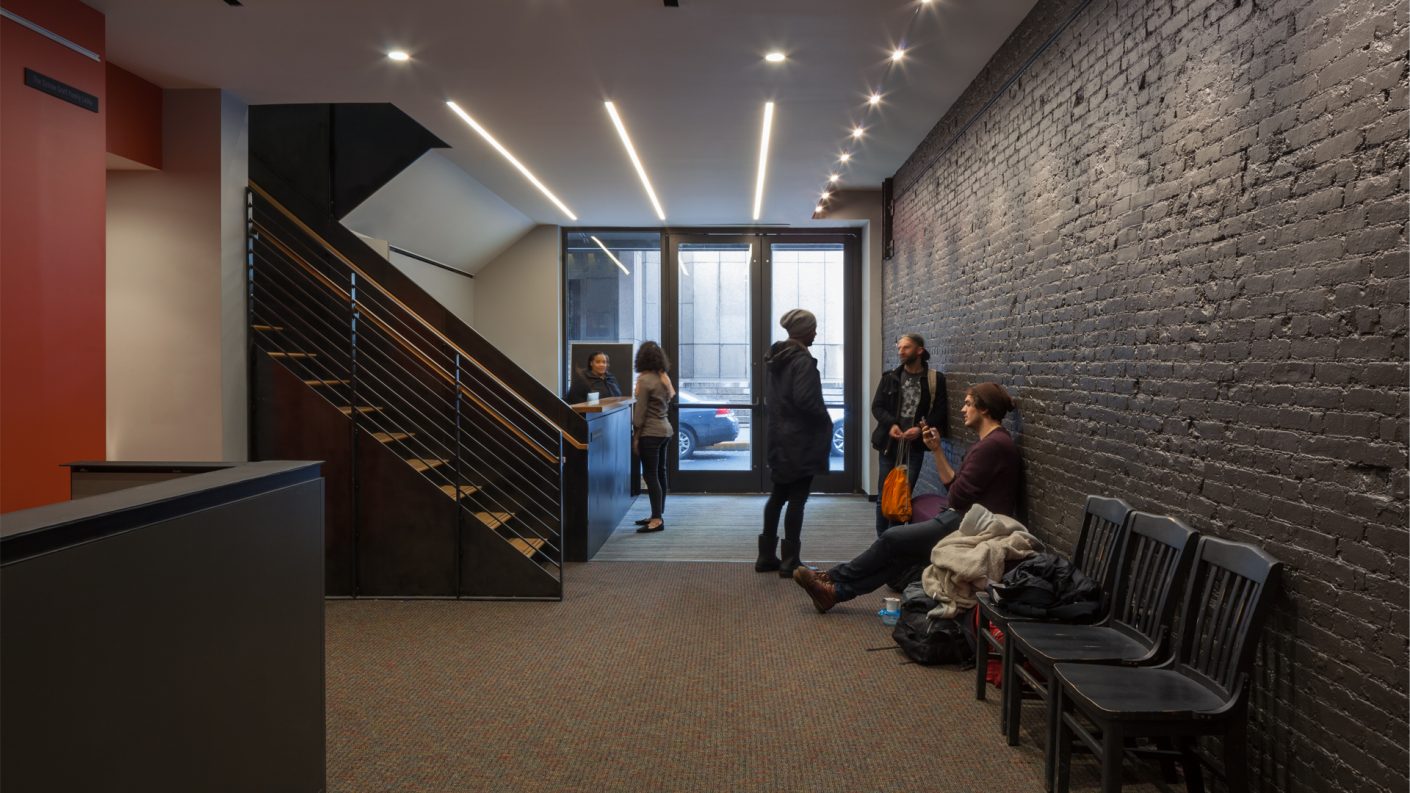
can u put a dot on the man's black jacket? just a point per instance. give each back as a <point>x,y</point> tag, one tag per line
<point>887,403</point>
<point>800,429</point>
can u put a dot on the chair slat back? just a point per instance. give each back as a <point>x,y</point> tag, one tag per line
<point>1230,592</point>
<point>1154,562</point>
<point>1103,529</point>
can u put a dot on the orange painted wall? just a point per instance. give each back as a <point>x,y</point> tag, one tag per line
<point>134,117</point>
<point>52,268</point>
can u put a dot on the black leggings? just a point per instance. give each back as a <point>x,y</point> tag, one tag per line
<point>652,451</point>
<point>795,493</point>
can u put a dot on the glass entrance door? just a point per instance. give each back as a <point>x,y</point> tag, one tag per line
<point>716,362</point>
<point>728,292</point>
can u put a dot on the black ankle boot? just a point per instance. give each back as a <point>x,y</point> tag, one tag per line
<point>768,562</point>
<point>790,560</point>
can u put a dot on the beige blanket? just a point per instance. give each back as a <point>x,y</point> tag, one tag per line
<point>971,556</point>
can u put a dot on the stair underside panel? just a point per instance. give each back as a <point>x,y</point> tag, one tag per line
<point>294,423</point>
<point>406,538</point>
<point>495,568</point>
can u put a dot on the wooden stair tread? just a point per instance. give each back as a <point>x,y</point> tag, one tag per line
<point>422,466</point>
<point>317,383</point>
<point>465,490</point>
<point>277,354</point>
<point>348,409</point>
<point>494,519</point>
<point>267,328</point>
<point>391,437</point>
<point>526,547</point>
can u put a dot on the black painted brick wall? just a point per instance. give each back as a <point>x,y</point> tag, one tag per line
<point>1180,239</point>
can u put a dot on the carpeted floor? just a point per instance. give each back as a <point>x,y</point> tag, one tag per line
<point>654,676</point>
<point>718,528</point>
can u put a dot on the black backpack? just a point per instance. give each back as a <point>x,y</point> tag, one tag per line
<point>927,641</point>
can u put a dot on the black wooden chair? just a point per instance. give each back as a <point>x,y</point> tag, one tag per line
<point>1103,529</point>
<point>1201,690</point>
<point>1150,576</point>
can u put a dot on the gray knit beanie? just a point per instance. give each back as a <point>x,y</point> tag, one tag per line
<point>799,323</point>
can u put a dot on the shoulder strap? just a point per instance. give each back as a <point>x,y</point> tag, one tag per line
<point>930,376</point>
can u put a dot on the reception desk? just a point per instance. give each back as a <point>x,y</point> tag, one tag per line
<point>597,483</point>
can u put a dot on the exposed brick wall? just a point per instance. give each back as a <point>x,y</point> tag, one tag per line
<point>1180,239</point>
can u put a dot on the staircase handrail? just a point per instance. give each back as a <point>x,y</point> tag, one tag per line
<point>569,418</point>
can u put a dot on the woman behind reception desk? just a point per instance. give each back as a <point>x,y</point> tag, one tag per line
<point>593,377</point>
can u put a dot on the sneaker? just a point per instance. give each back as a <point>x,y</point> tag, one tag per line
<point>818,586</point>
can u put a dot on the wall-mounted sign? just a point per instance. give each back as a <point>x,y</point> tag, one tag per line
<point>60,90</point>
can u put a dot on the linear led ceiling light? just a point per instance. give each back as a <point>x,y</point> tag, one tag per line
<point>614,259</point>
<point>763,158</point>
<point>636,161</point>
<point>484,133</point>
<point>775,57</point>
<point>400,56</point>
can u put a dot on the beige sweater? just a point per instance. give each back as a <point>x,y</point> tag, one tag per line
<point>971,556</point>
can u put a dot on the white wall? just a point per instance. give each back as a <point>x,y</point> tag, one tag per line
<point>519,304</point>
<point>175,276</point>
<point>437,210</point>
<point>455,292</point>
<point>864,206</point>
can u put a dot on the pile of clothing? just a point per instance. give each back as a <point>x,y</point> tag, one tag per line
<point>972,556</point>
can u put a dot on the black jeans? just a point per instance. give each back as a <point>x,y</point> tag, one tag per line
<point>884,465</point>
<point>795,494</point>
<point>652,451</point>
<point>893,552</point>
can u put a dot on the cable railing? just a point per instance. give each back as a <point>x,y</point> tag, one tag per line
<point>406,384</point>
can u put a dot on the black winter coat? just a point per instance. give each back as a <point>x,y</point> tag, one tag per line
<point>887,402</point>
<point>586,383</point>
<point>800,429</point>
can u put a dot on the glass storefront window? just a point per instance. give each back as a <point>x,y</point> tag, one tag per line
<point>613,297</point>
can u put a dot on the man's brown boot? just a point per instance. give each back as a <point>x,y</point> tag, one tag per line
<point>818,586</point>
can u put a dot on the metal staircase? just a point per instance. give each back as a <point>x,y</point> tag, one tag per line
<point>444,465</point>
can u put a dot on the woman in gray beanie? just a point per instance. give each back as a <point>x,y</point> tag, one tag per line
<point>800,438</point>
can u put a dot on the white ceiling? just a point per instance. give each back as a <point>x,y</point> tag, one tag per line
<point>690,83</point>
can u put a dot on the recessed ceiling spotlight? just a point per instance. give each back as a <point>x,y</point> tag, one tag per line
<point>818,210</point>
<point>825,195</point>
<point>874,99</point>
<point>832,178</point>
<point>844,157</point>
<point>857,132</point>
<point>636,161</point>
<point>898,54</point>
<point>763,157</point>
<point>484,133</point>
<point>399,56</point>
<point>775,57</point>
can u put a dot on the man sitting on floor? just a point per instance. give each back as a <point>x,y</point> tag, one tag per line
<point>989,475</point>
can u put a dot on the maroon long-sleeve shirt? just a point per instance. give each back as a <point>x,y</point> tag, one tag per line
<point>989,475</point>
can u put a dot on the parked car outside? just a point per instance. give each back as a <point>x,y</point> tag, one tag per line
<point>839,433</point>
<point>701,427</point>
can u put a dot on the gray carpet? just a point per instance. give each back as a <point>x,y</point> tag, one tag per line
<point>718,528</point>
<point>654,677</point>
